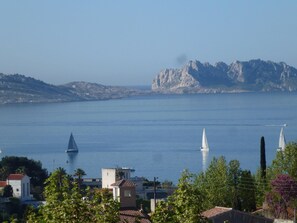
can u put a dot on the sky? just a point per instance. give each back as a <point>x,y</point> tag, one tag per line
<point>116,42</point>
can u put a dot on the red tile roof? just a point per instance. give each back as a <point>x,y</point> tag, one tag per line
<point>220,214</point>
<point>215,211</point>
<point>15,176</point>
<point>123,183</point>
<point>3,183</point>
<point>129,215</point>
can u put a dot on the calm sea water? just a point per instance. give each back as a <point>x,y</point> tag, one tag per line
<point>159,136</point>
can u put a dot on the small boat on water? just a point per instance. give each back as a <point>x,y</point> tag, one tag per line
<point>204,146</point>
<point>72,147</point>
<point>282,140</point>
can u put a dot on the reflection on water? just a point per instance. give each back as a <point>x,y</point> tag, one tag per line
<point>71,162</point>
<point>204,159</point>
<point>156,135</point>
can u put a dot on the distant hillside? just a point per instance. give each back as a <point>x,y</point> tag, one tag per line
<point>91,91</point>
<point>21,89</point>
<point>253,75</point>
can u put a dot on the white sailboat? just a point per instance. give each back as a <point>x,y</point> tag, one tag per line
<point>282,140</point>
<point>204,146</point>
<point>72,147</point>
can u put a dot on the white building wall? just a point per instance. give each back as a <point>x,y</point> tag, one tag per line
<point>16,187</point>
<point>116,193</point>
<point>21,188</point>
<point>109,176</point>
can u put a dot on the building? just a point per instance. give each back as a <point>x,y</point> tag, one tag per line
<point>223,214</point>
<point>124,191</point>
<point>20,184</point>
<point>111,175</point>
<point>92,182</point>
<point>132,216</point>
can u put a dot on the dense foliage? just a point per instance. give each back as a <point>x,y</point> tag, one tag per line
<point>30,167</point>
<point>66,202</point>
<point>281,192</point>
<point>285,162</point>
<point>184,206</point>
<point>282,195</point>
<point>221,184</point>
<point>227,185</point>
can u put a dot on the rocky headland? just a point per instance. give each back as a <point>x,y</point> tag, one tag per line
<point>239,76</point>
<point>18,88</point>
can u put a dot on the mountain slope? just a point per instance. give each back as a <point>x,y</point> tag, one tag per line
<point>253,75</point>
<point>21,89</point>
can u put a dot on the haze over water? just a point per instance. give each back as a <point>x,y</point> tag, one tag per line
<point>159,136</point>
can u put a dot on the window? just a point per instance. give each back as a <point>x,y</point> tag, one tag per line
<point>127,193</point>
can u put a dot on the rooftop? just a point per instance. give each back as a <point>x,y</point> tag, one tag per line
<point>3,183</point>
<point>222,214</point>
<point>123,183</point>
<point>215,211</point>
<point>15,176</point>
<point>129,215</point>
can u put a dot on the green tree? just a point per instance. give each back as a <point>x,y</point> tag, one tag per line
<point>66,203</point>
<point>247,191</point>
<point>227,185</point>
<point>79,173</point>
<point>184,206</point>
<point>262,158</point>
<point>234,174</point>
<point>164,212</point>
<point>285,162</point>
<point>261,186</point>
<point>3,173</point>
<point>57,185</point>
<point>14,164</point>
<point>261,181</point>
<point>214,184</point>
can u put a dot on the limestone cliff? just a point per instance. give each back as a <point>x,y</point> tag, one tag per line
<point>253,75</point>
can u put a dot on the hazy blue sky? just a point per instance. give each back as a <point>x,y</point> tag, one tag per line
<point>129,42</point>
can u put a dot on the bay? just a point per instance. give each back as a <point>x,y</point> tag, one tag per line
<point>158,135</point>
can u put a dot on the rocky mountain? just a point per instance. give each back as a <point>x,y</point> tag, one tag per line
<point>239,76</point>
<point>21,89</point>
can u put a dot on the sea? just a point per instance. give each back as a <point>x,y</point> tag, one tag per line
<point>157,135</point>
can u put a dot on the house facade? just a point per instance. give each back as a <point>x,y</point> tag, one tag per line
<point>20,184</point>
<point>124,192</point>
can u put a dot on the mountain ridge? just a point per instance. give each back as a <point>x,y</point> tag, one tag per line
<point>17,88</point>
<point>239,76</point>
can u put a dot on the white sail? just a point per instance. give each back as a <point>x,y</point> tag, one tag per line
<point>204,145</point>
<point>282,141</point>
<point>72,147</point>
